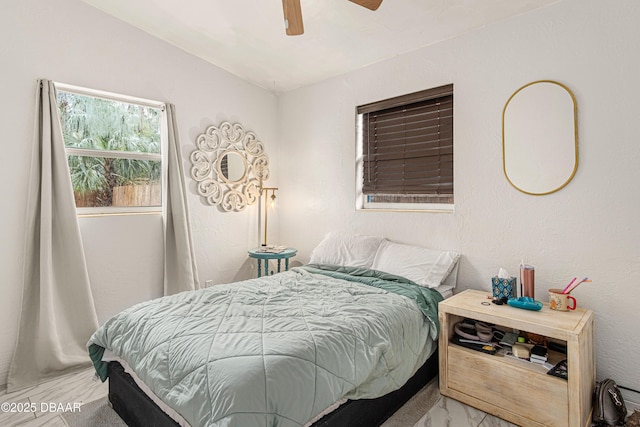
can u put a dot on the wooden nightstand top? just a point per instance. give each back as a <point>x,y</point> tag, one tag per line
<point>547,322</point>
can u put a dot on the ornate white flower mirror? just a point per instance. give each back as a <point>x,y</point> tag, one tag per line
<point>229,166</point>
<point>540,137</point>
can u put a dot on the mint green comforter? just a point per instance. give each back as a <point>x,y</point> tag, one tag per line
<point>278,350</point>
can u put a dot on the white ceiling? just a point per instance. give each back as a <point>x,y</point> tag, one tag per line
<point>247,37</point>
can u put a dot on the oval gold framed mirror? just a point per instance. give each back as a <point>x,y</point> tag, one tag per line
<point>540,137</point>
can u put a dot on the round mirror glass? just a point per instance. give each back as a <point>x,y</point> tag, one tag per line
<point>539,138</point>
<point>233,166</point>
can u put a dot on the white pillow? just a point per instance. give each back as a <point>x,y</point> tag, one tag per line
<point>426,267</point>
<point>351,250</point>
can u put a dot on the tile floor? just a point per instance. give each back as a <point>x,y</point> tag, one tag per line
<point>448,412</point>
<point>80,387</point>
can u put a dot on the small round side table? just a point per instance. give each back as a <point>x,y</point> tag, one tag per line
<point>264,255</point>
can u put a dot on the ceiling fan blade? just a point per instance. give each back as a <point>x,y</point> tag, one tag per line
<point>292,17</point>
<point>369,4</point>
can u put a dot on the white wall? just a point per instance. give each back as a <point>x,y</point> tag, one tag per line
<point>71,42</point>
<point>590,228</point>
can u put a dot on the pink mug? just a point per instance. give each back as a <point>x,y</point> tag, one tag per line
<point>560,302</point>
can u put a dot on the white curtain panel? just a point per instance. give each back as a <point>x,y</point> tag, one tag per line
<point>180,271</point>
<point>58,315</point>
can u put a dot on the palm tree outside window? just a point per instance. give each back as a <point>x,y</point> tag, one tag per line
<point>114,151</point>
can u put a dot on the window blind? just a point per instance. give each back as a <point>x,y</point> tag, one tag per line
<point>408,147</point>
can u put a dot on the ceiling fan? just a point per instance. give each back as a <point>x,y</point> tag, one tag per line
<point>293,14</point>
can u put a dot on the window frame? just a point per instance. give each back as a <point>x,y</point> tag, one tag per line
<point>87,152</point>
<point>404,100</point>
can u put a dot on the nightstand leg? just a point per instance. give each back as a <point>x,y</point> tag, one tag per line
<point>279,266</point>
<point>286,264</point>
<point>259,267</point>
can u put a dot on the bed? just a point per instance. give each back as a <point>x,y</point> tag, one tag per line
<point>330,343</point>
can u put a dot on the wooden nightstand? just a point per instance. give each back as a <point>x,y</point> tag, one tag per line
<point>519,391</point>
<point>262,255</point>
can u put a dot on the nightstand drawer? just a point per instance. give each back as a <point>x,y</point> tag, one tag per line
<point>533,395</point>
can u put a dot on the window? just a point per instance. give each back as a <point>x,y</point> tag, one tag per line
<point>405,152</point>
<point>114,147</point>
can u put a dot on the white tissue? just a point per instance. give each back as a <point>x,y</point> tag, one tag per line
<point>503,274</point>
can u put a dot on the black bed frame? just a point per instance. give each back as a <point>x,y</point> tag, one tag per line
<point>138,410</point>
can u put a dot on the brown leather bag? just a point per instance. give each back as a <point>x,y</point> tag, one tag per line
<point>608,405</point>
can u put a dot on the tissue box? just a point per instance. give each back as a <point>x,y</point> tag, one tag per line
<point>504,287</point>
